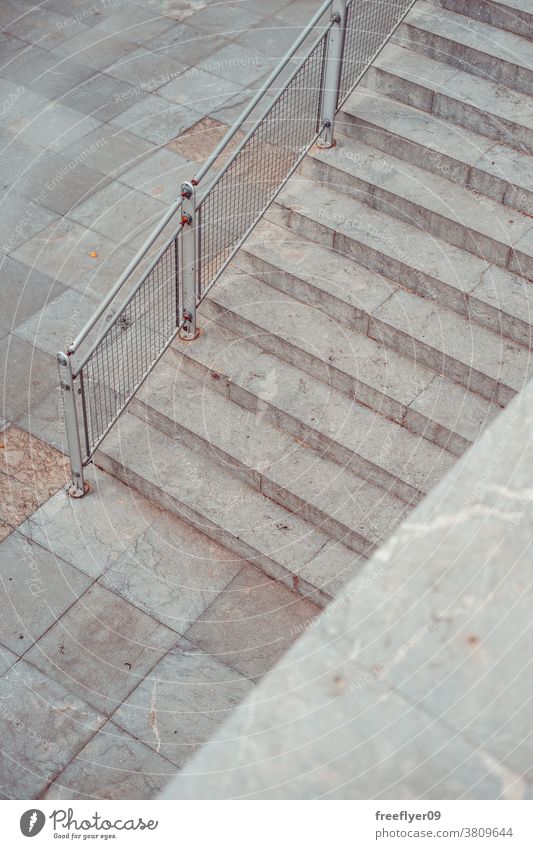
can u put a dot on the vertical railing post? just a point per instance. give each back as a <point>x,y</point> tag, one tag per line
<point>77,487</point>
<point>332,77</point>
<point>189,265</point>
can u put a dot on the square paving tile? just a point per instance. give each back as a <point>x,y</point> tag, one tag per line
<point>199,142</point>
<point>159,175</point>
<point>172,572</point>
<point>110,150</point>
<point>45,420</point>
<point>24,291</point>
<point>37,588</point>
<point>185,44</point>
<point>227,19</point>
<point>17,502</point>
<point>101,96</point>
<point>237,63</point>
<point>20,220</point>
<point>17,156</point>
<point>21,105</point>
<point>146,70</point>
<point>7,659</point>
<point>42,727</point>
<point>200,91</point>
<point>252,623</point>
<point>45,73</point>
<point>182,702</point>
<point>271,37</point>
<point>32,462</point>
<point>94,48</point>
<point>58,321</point>
<point>59,126</point>
<point>58,182</point>
<point>10,47</point>
<point>119,212</point>
<point>94,531</point>
<point>113,765</point>
<point>27,376</point>
<point>156,119</point>
<point>135,24</point>
<point>102,648</point>
<point>39,25</point>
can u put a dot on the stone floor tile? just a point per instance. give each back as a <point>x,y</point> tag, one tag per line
<point>59,126</point>
<point>159,175</point>
<point>59,181</point>
<point>17,501</point>
<point>271,37</point>
<point>95,49</point>
<point>21,219</point>
<point>113,765</point>
<point>238,64</point>
<point>7,659</point>
<point>5,530</point>
<point>229,19</point>
<point>252,623</point>
<point>45,420</point>
<point>119,212</point>
<point>186,44</point>
<point>92,532</point>
<point>48,74</point>
<point>40,26</point>
<point>43,727</point>
<point>10,47</point>
<point>24,291</point>
<point>145,70</point>
<point>37,588</point>
<point>58,322</point>
<point>181,703</point>
<point>17,156</point>
<point>27,376</point>
<point>102,96</point>
<point>200,90</point>
<point>172,572</point>
<point>201,139</point>
<point>32,462</point>
<point>21,105</point>
<point>110,150</point>
<point>156,119</point>
<point>134,23</point>
<point>102,648</point>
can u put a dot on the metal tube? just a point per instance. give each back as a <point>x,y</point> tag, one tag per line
<point>264,88</point>
<point>123,277</point>
<point>332,78</point>
<point>189,263</point>
<point>78,487</point>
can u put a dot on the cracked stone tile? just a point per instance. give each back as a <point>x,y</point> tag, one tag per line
<point>252,623</point>
<point>17,501</point>
<point>113,765</point>
<point>42,727</point>
<point>36,589</point>
<point>32,462</point>
<point>102,648</point>
<point>182,702</point>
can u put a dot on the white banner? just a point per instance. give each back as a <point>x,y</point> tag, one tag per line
<point>309,824</point>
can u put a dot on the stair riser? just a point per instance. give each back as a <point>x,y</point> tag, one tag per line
<point>218,534</point>
<point>199,443</point>
<point>465,58</point>
<point>490,12</point>
<point>482,182</point>
<point>418,424</point>
<point>431,222</point>
<point>447,107</point>
<point>319,442</point>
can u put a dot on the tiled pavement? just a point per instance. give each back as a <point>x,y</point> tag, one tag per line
<point>117,655</point>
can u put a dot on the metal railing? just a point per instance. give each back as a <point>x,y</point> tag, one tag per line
<point>206,227</point>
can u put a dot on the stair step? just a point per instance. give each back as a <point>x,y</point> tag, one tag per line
<point>356,365</point>
<point>462,156</point>
<point>331,496</point>
<point>401,252</point>
<point>511,15</point>
<point>330,423</point>
<point>480,105</point>
<point>436,205</point>
<point>431,334</point>
<point>224,508</point>
<point>469,45</point>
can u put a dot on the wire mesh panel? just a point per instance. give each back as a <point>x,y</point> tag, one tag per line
<point>261,165</point>
<point>132,345</point>
<point>369,24</point>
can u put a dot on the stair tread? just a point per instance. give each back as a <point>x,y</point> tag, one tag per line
<point>322,409</point>
<point>240,435</point>
<point>431,191</point>
<point>220,501</point>
<point>469,32</point>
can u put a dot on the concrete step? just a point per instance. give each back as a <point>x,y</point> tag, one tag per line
<point>247,523</point>
<point>485,107</point>
<point>330,496</point>
<point>314,413</point>
<point>396,386</point>
<point>402,253</point>
<point>468,44</point>
<point>495,170</point>
<point>438,206</point>
<point>451,345</point>
<point>510,15</point>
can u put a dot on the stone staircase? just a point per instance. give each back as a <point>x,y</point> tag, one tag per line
<point>372,325</point>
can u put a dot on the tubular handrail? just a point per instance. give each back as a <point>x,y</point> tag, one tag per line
<point>214,223</point>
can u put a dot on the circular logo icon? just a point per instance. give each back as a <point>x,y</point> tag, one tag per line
<point>32,822</point>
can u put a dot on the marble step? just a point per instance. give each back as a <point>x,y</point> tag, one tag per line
<point>485,107</point>
<point>247,523</point>
<point>510,15</point>
<point>403,254</point>
<point>469,45</point>
<point>314,413</point>
<point>438,206</point>
<point>495,170</point>
<point>434,336</point>
<point>330,496</point>
<point>388,382</point>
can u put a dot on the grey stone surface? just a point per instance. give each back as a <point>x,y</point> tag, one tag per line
<point>432,702</point>
<point>200,90</point>
<point>28,376</point>
<point>102,96</point>
<point>65,314</point>
<point>43,727</point>
<point>22,219</point>
<point>179,705</point>
<point>113,765</point>
<point>119,212</point>
<point>109,150</point>
<point>59,181</point>
<point>101,648</point>
<point>7,659</point>
<point>37,588</point>
<point>159,174</point>
<point>157,120</point>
